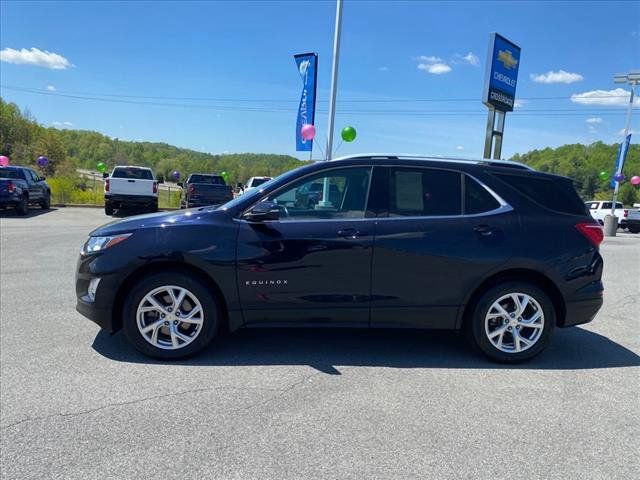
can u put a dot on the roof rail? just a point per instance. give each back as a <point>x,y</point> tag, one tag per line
<point>385,156</point>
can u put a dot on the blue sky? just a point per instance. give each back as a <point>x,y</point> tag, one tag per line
<point>236,60</point>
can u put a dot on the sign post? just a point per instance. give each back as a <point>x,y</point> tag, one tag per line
<point>501,78</point>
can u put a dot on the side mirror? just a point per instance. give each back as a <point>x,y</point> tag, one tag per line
<point>160,179</point>
<point>42,179</point>
<point>180,184</point>
<point>262,212</point>
<point>105,175</point>
<point>239,185</point>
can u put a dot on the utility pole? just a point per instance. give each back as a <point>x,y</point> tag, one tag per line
<point>325,202</point>
<point>633,79</point>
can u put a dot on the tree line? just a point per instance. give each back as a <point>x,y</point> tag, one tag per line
<point>23,139</point>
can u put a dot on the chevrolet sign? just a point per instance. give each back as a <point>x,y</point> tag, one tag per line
<point>501,79</point>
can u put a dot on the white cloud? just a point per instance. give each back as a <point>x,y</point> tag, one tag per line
<point>593,120</point>
<point>519,103</point>
<point>51,88</point>
<point>631,131</point>
<point>435,68</point>
<point>616,97</point>
<point>460,148</point>
<point>62,124</point>
<point>471,59</point>
<point>557,77</point>
<point>592,129</point>
<point>39,58</point>
<point>429,59</point>
<point>383,69</point>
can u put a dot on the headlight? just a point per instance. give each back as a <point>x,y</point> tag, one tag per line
<point>98,244</point>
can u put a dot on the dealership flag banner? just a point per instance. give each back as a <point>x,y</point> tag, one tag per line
<point>308,68</point>
<point>622,156</point>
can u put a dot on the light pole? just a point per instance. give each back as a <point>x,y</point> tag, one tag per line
<point>633,79</point>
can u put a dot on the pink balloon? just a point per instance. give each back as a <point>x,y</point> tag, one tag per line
<point>635,180</point>
<point>4,161</point>
<point>308,131</point>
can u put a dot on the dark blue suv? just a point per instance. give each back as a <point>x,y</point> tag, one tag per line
<point>494,249</point>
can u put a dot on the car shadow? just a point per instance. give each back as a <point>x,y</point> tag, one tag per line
<point>33,212</point>
<point>328,349</point>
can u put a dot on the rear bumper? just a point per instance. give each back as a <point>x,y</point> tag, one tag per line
<point>9,200</point>
<point>583,305</point>
<point>119,201</point>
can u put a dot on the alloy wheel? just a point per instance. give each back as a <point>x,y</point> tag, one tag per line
<point>170,317</point>
<point>514,323</point>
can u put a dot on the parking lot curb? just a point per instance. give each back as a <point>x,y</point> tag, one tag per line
<point>88,205</point>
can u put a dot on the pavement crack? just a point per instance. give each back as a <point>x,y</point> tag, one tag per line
<point>130,402</point>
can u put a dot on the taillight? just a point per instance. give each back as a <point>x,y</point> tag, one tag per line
<point>155,187</point>
<point>11,187</point>
<point>626,213</point>
<point>106,185</point>
<point>192,188</point>
<point>592,231</point>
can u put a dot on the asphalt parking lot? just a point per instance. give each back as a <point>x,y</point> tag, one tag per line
<point>77,403</point>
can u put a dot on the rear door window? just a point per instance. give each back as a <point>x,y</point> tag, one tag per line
<point>424,192</point>
<point>477,199</point>
<point>132,172</point>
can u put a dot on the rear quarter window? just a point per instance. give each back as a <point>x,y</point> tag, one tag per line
<point>557,194</point>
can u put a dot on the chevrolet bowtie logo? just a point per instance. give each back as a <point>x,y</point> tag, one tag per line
<point>506,57</point>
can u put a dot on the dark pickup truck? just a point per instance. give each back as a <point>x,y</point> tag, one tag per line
<point>21,186</point>
<point>203,189</point>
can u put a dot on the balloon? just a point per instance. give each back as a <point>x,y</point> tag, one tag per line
<point>619,177</point>
<point>604,175</point>
<point>635,180</point>
<point>4,161</point>
<point>176,174</point>
<point>43,161</point>
<point>348,134</point>
<point>102,167</point>
<point>308,131</point>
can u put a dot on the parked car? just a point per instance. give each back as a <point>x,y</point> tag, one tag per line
<point>203,189</point>
<point>252,183</point>
<point>494,249</point>
<point>628,218</point>
<point>131,187</point>
<point>21,187</point>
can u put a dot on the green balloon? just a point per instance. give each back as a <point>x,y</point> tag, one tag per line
<point>348,134</point>
<point>604,175</point>
<point>102,167</point>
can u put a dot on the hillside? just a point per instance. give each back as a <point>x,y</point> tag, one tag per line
<point>23,140</point>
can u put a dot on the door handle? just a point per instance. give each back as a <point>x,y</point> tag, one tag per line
<point>131,181</point>
<point>484,230</point>
<point>351,233</point>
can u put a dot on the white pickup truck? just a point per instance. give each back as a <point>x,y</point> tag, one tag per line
<point>131,187</point>
<point>628,218</point>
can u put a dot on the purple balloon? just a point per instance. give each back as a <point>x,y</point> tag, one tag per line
<point>619,177</point>
<point>176,174</point>
<point>43,161</point>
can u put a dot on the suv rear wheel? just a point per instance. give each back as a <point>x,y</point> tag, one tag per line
<point>513,322</point>
<point>22,208</point>
<point>45,203</point>
<point>170,315</point>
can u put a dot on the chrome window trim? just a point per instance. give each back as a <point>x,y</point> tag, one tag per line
<point>503,208</point>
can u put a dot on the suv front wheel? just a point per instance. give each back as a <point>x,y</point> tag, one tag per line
<point>513,322</point>
<point>170,315</point>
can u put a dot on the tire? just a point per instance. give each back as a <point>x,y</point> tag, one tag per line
<point>45,203</point>
<point>108,209</point>
<point>634,229</point>
<point>198,335</point>
<point>23,207</point>
<point>487,319</point>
